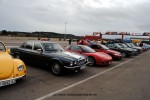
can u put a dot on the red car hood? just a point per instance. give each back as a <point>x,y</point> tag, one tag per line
<point>112,51</point>
<point>101,55</point>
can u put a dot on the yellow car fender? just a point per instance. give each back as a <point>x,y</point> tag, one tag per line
<point>17,63</point>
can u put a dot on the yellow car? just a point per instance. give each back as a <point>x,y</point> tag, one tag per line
<point>10,69</point>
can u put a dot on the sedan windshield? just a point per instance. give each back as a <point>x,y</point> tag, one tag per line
<point>104,47</point>
<point>129,45</point>
<point>122,45</point>
<point>87,49</point>
<point>125,46</point>
<point>132,45</point>
<point>52,47</point>
<point>119,46</point>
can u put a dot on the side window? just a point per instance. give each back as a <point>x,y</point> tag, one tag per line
<point>27,45</point>
<point>47,46</point>
<point>76,48</point>
<point>37,46</point>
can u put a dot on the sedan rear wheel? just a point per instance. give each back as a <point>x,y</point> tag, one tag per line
<point>91,61</point>
<point>57,69</point>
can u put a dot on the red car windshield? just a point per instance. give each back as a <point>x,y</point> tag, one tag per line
<point>104,47</point>
<point>87,49</point>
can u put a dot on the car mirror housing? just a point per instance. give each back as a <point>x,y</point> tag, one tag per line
<point>39,50</point>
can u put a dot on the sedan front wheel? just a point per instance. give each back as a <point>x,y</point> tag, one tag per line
<point>57,69</point>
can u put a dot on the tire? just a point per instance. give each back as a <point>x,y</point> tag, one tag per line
<point>57,68</point>
<point>123,54</point>
<point>91,61</point>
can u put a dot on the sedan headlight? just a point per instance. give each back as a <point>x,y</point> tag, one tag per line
<point>20,68</point>
<point>71,64</point>
<point>75,62</point>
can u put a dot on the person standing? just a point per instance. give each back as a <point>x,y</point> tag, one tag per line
<point>70,41</point>
<point>141,44</point>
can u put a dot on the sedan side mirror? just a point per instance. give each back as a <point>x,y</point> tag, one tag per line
<point>39,50</point>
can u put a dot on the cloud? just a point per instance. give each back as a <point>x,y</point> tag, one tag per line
<point>82,16</point>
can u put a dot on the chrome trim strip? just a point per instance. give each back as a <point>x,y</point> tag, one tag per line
<point>73,67</point>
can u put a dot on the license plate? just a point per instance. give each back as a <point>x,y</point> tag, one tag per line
<point>82,67</point>
<point>7,82</point>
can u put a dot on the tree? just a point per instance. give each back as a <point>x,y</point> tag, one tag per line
<point>4,32</point>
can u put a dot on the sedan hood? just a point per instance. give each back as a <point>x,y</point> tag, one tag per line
<point>113,52</point>
<point>128,49</point>
<point>139,48</point>
<point>6,65</point>
<point>66,55</point>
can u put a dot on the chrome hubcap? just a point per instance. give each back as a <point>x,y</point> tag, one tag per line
<point>56,68</point>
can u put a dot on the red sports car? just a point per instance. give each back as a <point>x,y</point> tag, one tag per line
<point>102,48</point>
<point>94,57</point>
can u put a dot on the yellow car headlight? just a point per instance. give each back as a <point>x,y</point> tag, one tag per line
<point>20,68</point>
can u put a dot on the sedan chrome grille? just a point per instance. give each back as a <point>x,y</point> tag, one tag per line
<point>81,62</point>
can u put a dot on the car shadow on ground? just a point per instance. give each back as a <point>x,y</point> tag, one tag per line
<point>47,69</point>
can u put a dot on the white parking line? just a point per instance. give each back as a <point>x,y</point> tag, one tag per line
<point>82,81</point>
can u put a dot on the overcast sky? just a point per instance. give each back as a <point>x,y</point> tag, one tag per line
<point>83,17</point>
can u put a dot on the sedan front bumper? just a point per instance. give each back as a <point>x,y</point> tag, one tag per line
<point>77,66</point>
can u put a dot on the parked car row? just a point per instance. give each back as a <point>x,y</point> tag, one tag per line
<point>104,54</point>
<point>58,60</point>
<point>126,49</point>
<point>94,57</point>
<point>102,48</point>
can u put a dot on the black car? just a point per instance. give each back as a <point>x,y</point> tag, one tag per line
<point>125,52</point>
<point>50,54</point>
<point>131,45</point>
<point>123,45</point>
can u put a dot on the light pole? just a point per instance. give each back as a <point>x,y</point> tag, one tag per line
<point>65,31</point>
